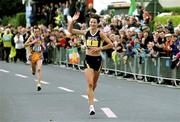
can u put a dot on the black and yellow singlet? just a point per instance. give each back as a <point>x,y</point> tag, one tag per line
<point>93,40</point>
<point>93,62</point>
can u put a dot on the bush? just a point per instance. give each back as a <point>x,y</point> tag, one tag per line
<point>163,20</point>
<point>21,19</point>
<point>5,20</point>
<point>13,21</point>
<point>175,10</point>
<point>42,21</point>
<point>18,20</point>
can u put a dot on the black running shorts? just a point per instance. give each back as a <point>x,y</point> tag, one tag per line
<point>93,62</point>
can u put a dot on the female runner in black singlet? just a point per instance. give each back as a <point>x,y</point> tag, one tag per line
<point>93,61</point>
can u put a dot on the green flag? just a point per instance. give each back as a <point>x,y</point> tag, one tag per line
<point>132,7</point>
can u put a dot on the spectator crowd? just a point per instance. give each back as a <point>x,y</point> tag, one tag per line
<point>131,35</point>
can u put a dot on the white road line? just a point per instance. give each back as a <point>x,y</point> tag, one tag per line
<point>66,89</point>
<point>85,96</point>
<point>22,76</point>
<point>43,82</point>
<point>2,70</point>
<point>108,113</point>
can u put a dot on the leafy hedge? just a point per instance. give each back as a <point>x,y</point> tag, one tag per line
<point>18,20</point>
<point>5,20</point>
<point>42,21</point>
<point>172,9</point>
<point>163,20</point>
<point>21,19</point>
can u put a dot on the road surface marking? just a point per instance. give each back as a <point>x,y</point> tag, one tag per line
<point>65,89</point>
<point>22,76</point>
<point>85,96</point>
<point>2,70</point>
<point>108,113</point>
<point>43,82</point>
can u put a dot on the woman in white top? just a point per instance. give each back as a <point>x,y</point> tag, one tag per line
<point>20,50</point>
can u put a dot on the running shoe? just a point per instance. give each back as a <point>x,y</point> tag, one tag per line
<point>91,110</point>
<point>38,87</point>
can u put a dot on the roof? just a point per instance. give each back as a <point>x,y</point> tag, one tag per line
<point>119,5</point>
<point>154,7</point>
<point>169,3</point>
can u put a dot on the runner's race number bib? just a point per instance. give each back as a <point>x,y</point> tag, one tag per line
<point>37,48</point>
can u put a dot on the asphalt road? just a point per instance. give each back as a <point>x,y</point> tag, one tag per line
<point>63,98</point>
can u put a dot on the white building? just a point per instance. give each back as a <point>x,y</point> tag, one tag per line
<point>102,4</point>
<point>170,3</point>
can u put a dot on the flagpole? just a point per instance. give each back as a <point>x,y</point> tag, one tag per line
<point>142,3</point>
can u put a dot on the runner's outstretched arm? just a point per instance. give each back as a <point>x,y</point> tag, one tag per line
<point>71,23</point>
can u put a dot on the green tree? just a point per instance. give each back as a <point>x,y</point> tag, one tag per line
<point>11,7</point>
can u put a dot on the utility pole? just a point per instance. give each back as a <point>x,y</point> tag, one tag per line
<point>142,3</point>
<point>28,12</point>
<point>154,7</point>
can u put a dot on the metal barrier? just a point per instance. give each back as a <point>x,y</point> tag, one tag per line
<point>158,68</point>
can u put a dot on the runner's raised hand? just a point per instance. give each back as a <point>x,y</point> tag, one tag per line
<point>76,16</point>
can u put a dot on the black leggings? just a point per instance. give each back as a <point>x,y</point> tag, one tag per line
<point>21,54</point>
<point>7,52</point>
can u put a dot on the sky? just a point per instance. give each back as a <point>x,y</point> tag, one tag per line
<point>102,4</point>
